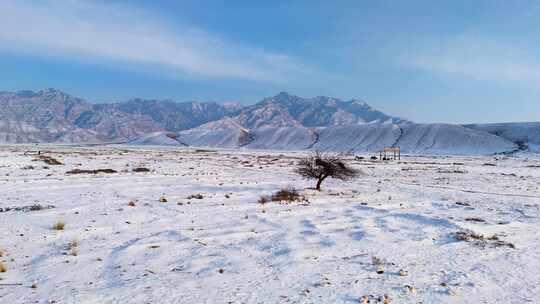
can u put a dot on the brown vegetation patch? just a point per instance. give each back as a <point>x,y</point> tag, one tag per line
<point>195,196</point>
<point>475,219</point>
<point>480,240</point>
<point>34,207</point>
<point>60,225</point>
<point>96,171</point>
<point>141,169</point>
<point>49,160</point>
<point>285,195</point>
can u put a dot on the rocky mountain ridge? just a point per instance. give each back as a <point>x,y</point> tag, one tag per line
<point>284,121</point>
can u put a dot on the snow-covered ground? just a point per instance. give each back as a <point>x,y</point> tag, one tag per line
<point>398,219</point>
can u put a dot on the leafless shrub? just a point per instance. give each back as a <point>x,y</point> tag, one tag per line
<point>289,195</point>
<point>320,165</point>
<point>285,195</point>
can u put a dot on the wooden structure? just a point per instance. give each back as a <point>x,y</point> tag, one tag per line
<point>395,153</point>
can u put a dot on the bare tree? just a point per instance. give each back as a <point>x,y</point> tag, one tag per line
<point>321,165</point>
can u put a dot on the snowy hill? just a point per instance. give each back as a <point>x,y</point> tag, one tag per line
<point>225,133</point>
<point>412,138</point>
<point>450,139</point>
<point>525,134</point>
<point>158,139</point>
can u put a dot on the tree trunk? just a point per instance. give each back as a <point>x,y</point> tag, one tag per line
<point>319,182</point>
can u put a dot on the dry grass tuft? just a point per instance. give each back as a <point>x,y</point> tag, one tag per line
<point>2,267</point>
<point>285,195</point>
<point>480,240</point>
<point>72,247</point>
<point>288,195</point>
<point>60,225</point>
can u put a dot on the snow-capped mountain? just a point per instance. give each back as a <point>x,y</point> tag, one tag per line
<point>285,110</point>
<point>44,116</point>
<point>53,116</point>
<point>177,116</point>
<point>284,122</point>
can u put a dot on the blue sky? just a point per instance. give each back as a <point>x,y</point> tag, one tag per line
<point>428,61</point>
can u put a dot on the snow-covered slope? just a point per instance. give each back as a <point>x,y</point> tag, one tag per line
<point>410,137</point>
<point>224,133</point>
<point>525,134</point>
<point>158,139</point>
<point>450,139</point>
<point>397,231</point>
<point>357,138</point>
<point>290,138</point>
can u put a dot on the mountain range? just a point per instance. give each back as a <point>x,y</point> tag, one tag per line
<point>282,122</point>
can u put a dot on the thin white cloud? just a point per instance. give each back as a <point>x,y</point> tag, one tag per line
<point>93,32</point>
<point>478,58</point>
